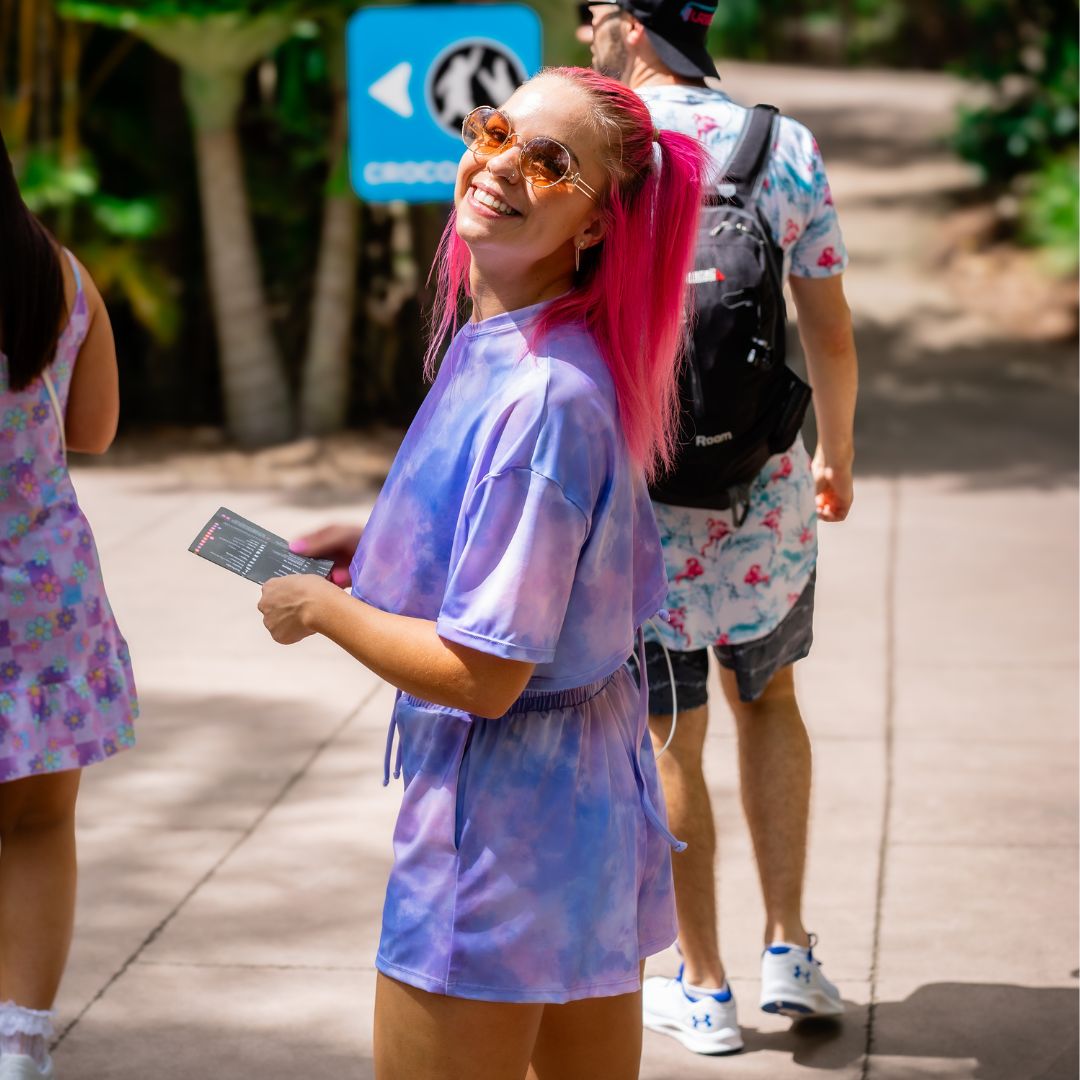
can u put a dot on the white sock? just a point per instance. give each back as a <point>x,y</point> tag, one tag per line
<point>25,1031</point>
<point>704,991</point>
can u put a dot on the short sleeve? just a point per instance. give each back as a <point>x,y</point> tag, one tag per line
<point>819,251</point>
<point>513,567</point>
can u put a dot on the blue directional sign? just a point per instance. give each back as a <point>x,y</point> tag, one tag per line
<point>414,73</point>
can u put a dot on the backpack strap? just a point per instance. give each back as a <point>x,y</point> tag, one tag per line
<point>746,168</point>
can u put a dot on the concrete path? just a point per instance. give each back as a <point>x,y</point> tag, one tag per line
<point>234,865</point>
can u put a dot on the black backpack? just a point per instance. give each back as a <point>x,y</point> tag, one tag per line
<point>740,402</point>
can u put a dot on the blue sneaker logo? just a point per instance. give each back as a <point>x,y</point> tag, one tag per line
<point>701,1021</point>
<point>801,973</point>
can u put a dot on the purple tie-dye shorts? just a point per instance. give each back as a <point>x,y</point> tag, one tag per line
<point>531,863</point>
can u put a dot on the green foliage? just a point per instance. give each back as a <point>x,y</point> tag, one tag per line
<point>48,185</point>
<point>559,18</point>
<point>1027,57</point>
<point>114,226</point>
<point>1033,78</point>
<point>128,15</point>
<point>133,209</point>
<point>136,219</point>
<point>737,29</point>
<point>128,270</point>
<point>1050,214</point>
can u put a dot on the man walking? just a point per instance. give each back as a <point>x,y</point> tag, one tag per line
<point>742,579</point>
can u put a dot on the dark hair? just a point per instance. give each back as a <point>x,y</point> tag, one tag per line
<point>32,301</point>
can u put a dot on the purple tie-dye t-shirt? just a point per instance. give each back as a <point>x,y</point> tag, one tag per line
<point>513,516</point>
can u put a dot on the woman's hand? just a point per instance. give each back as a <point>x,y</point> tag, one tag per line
<point>290,605</point>
<point>337,542</point>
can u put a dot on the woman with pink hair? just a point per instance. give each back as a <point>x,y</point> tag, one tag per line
<point>499,584</point>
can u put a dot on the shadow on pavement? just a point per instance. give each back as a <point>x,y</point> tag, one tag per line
<point>876,138</point>
<point>227,1051</point>
<point>1002,413</point>
<point>991,1031</point>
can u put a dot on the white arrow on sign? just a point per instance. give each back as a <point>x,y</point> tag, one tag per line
<point>392,90</point>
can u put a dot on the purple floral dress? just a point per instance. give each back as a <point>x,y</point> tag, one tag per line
<point>67,694</point>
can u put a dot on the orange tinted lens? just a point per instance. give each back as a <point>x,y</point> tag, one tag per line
<point>544,162</point>
<point>485,130</point>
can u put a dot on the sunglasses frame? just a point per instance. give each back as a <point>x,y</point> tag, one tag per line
<point>574,180</point>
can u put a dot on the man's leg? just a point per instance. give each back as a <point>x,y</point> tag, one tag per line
<point>697,1008</point>
<point>690,818</point>
<point>775,771</point>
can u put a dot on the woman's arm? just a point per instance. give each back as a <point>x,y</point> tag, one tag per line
<point>404,651</point>
<point>93,405</point>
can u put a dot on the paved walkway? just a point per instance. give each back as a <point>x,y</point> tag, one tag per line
<point>233,866</point>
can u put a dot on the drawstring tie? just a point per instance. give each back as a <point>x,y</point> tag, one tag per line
<point>532,701</point>
<point>391,731</point>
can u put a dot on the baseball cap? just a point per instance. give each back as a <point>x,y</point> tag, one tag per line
<point>677,30</point>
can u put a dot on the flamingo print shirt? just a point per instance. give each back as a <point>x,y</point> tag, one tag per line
<point>513,516</point>
<point>795,195</point>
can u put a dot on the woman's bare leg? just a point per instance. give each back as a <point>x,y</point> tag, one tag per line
<point>595,1039</point>
<point>424,1036</point>
<point>37,885</point>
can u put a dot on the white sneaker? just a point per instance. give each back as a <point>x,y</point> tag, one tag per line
<point>23,1067</point>
<point>792,983</point>
<point>706,1024</point>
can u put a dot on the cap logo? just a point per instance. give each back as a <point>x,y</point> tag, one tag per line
<point>699,13</point>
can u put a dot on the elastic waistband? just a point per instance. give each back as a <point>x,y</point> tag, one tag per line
<point>547,700</point>
<point>532,701</point>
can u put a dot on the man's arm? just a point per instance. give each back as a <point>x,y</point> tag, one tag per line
<point>829,346</point>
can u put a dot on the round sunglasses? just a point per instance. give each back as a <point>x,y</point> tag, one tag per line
<point>543,162</point>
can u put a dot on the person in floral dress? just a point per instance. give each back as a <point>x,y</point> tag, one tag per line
<point>67,695</point>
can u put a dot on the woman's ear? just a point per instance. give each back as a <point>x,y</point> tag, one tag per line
<point>590,234</point>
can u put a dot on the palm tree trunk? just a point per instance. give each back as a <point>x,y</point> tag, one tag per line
<point>70,54</point>
<point>325,397</point>
<point>18,134</point>
<point>257,403</point>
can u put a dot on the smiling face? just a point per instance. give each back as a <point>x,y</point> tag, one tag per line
<point>511,226</point>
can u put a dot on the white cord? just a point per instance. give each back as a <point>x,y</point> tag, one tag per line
<point>674,696</point>
<point>56,409</point>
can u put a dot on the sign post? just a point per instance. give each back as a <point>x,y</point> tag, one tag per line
<point>414,74</point>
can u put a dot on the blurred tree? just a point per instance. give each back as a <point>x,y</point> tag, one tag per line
<point>40,105</point>
<point>1025,53</point>
<point>125,195</point>
<point>324,397</point>
<point>215,44</point>
<point>1026,56</point>
<point>560,21</point>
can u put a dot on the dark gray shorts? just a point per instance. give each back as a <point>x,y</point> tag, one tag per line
<point>754,662</point>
